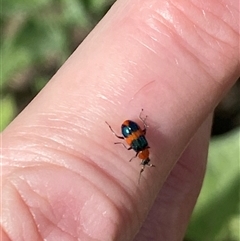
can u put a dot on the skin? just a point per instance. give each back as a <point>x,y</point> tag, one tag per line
<point>62,177</point>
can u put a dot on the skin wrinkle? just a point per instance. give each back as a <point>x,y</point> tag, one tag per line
<point>109,197</point>
<point>227,7</point>
<point>58,135</point>
<point>181,45</point>
<point>26,182</point>
<point>145,45</point>
<point>99,190</point>
<point>59,128</point>
<point>207,13</point>
<point>111,88</point>
<point>123,188</point>
<point>17,192</point>
<point>3,234</point>
<point>51,160</point>
<point>57,224</point>
<point>223,16</point>
<point>84,115</point>
<point>124,217</point>
<point>61,123</point>
<point>189,50</point>
<point>206,67</point>
<point>54,225</point>
<point>103,97</point>
<point>85,228</point>
<point>51,142</point>
<point>164,224</point>
<point>172,185</point>
<point>61,151</point>
<point>180,179</point>
<point>149,22</point>
<point>96,167</point>
<point>188,170</point>
<point>65,119</point>
<point>200,36</point>
<point>65,114</point>
<point>77,126</point>
<point>34,218</point>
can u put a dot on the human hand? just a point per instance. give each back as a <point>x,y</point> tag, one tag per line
<point>62,177</point>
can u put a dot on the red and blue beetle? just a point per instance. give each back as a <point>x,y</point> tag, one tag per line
<point>135,138</point>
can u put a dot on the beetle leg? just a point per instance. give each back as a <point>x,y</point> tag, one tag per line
<point>128,148</point>
<point>134,156</point>
<point>143,167</point>
<point>120,137</point>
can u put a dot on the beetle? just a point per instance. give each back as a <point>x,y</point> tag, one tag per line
<point>135,137</point>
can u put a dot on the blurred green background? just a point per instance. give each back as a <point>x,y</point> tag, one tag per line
<point>39,35</point>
